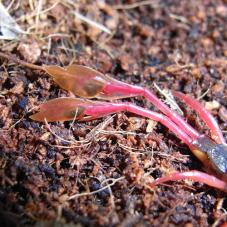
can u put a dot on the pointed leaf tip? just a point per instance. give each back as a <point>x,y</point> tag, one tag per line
<point>80,80</point>
<point>60,109</point>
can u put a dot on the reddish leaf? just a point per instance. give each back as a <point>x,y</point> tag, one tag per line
<point>80,80</point>
<point>60,109</point>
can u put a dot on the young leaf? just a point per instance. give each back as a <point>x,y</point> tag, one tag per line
<point>60,109</point>
<point>80,80</point>
<point>88,83</point>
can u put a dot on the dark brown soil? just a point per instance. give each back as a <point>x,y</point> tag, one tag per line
<point>179,45</point>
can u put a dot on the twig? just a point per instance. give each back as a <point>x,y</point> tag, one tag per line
<point>114,181</point>
<point>39,8</point>
<point>99,128</point>
<point>105,132</point>
<point>10,5</point>
<point>92,23</point>
<point>62,139</point>
<point>204,94</point>
<point>154,4</point>
<point>21,62</point>
<point>169,99</point>
<point>179,18</point>
<point>41,12</point>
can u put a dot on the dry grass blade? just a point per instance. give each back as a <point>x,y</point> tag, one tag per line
<point>8,26</point>
<point>92,23</point>
<point>39,13</point>
<point>154,4</point>
<point>169,99</point>
<point>71,142</point>
<point>98,129</point>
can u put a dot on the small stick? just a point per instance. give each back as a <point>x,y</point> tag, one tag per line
<point>114,181</point>
<point>21,62</point>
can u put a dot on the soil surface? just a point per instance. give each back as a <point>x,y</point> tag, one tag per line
<point>97,173</point>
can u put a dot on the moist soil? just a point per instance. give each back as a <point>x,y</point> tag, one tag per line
<point>97,173</point>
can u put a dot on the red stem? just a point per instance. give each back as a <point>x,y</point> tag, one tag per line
<point>193,175</point>
<point>130,90</point>
<point>100,110</point>
<point>204,115</point>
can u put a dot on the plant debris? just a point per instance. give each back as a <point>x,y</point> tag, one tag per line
<point>9,29</point>
<point>107,163</point>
